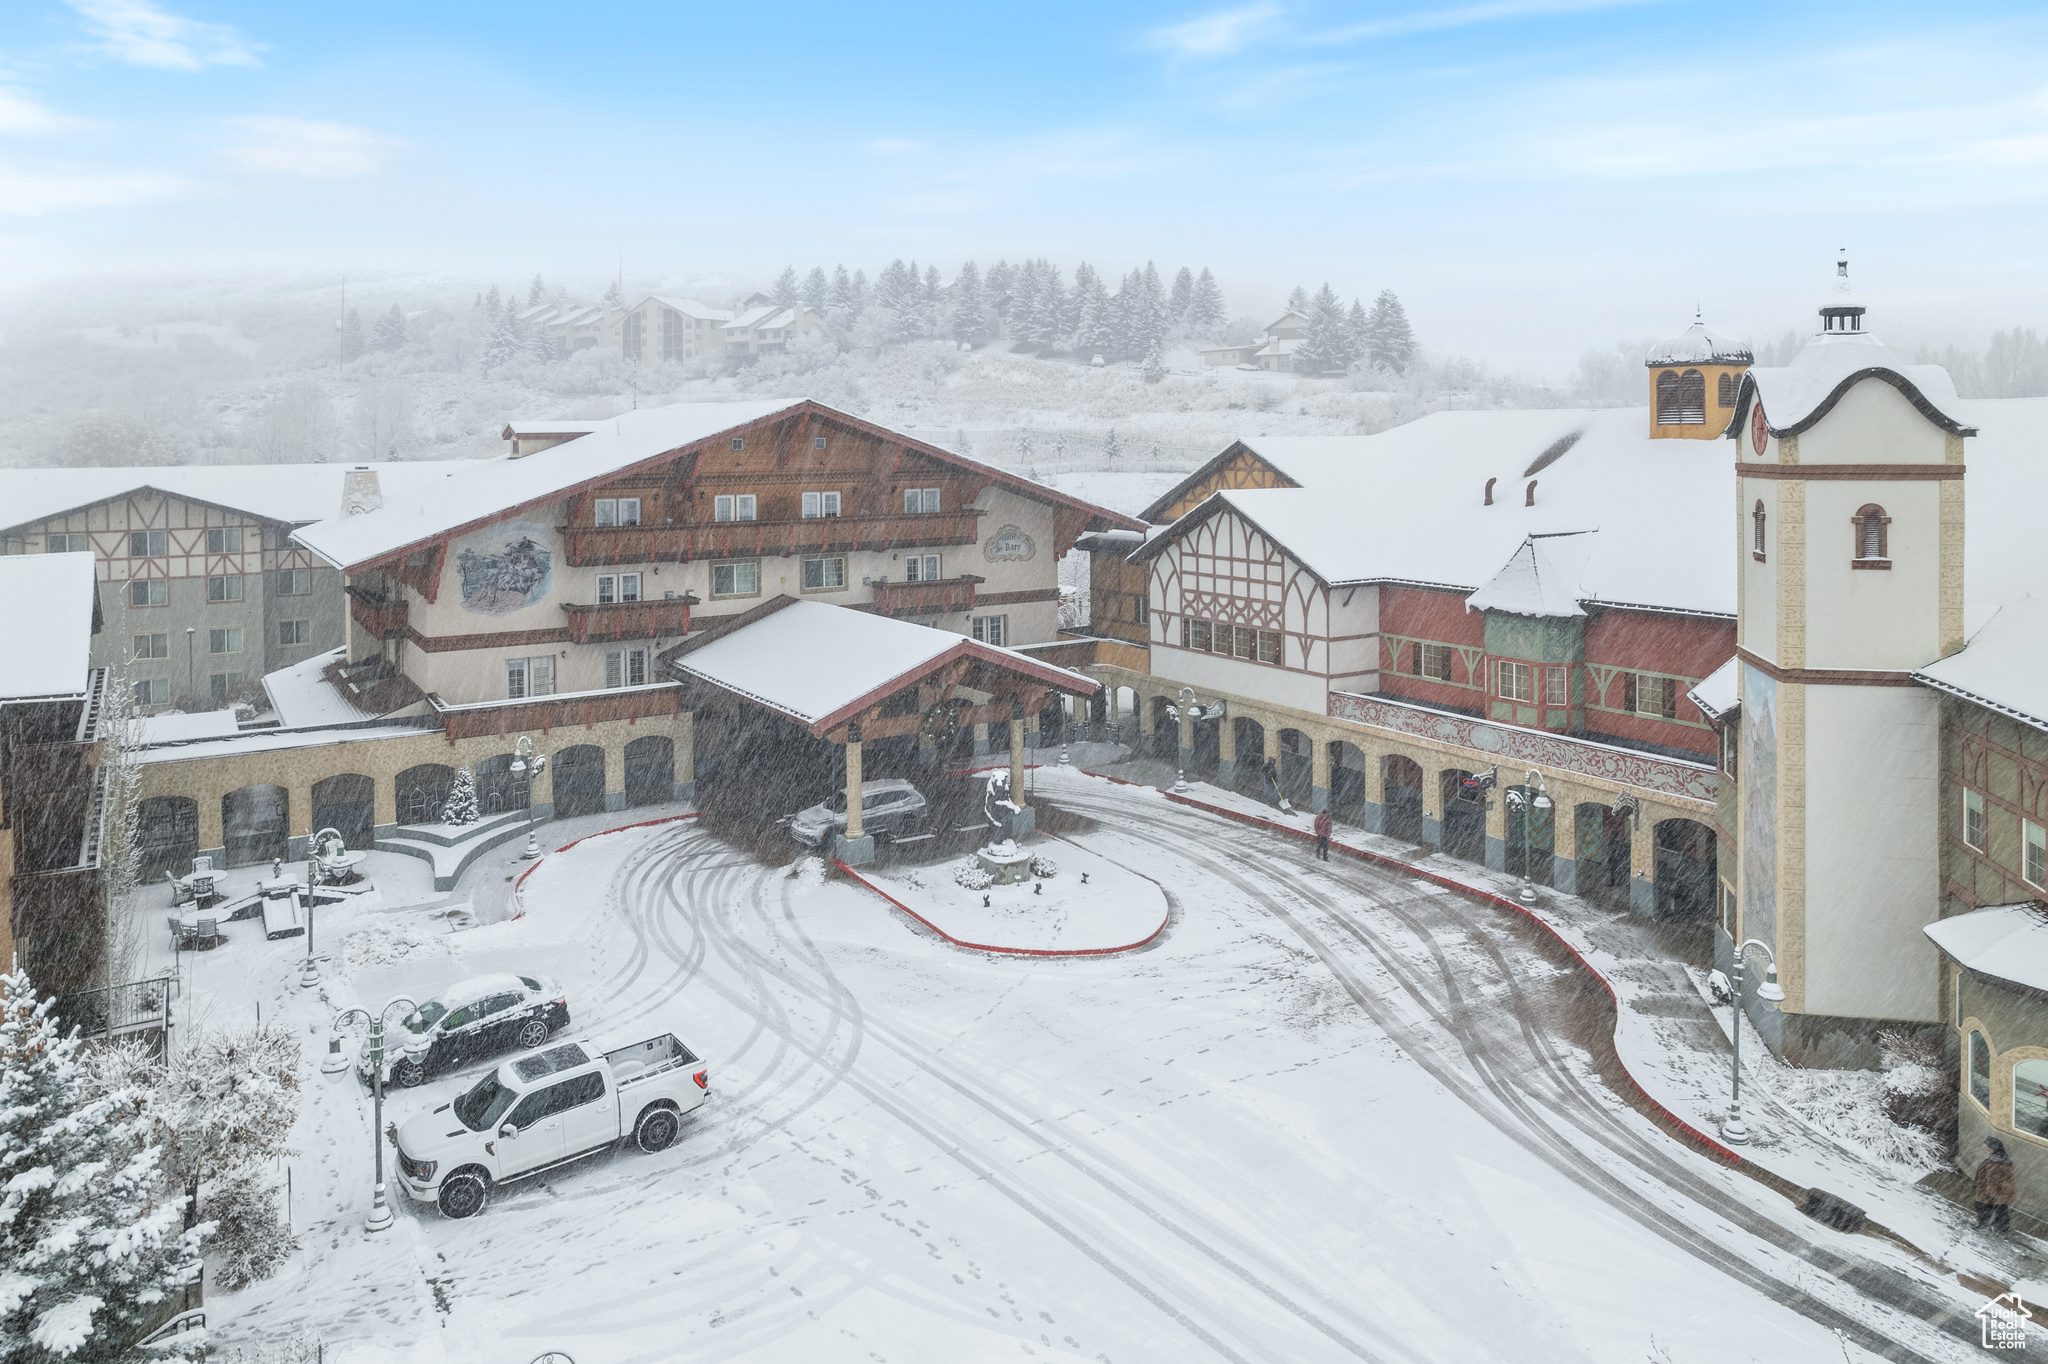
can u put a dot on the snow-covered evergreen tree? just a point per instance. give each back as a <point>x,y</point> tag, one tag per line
<point>863,295</point>
<point>461,804</point>
<point>536,292</point>
<point>351,335</point>
<point>614,296</point>
<point>1112,448</point>
<point>1181,299</point>
<point>816,288</point>
<point>391,329</point>
<point>839,299</point>
<point>539,344</point>
<point>1327,345</point>
<point>502,343</point>
<point>1205,312</point>
<point>1094,317</point>
<point>1390,343</point>
<point>250,1240</point>
<point>492,307</point>
<point>1026,297</point>
<point>1358,325</point>
<point>1149,324</point>
<point>1059,314</point>
<point>90,1246</point>
<point>996,286</point>
<point>1155,365</point>
<point>1297,302</point>
<point>788,290</point>
<point>970,309</point>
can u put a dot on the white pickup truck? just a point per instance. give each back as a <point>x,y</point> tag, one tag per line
<point>545,1109</point>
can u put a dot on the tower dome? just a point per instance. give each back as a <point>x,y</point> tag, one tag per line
<point>1694,377</point>
<point>1698,346</point>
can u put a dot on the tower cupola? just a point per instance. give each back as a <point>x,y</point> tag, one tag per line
<point>1694,377</point>
<point>1841,315</point>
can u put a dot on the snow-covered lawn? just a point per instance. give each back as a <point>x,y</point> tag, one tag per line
<point>1251,1141</point>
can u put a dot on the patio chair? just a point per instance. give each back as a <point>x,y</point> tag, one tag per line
<point>202,863</point>
<point>181,933</point>
<point>204,890</point>
<point>209,935</point>
<point>180,895</point>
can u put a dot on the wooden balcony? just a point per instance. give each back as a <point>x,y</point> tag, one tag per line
<point>590,546</point>
<point>629,620</point>
<point>543,714</point>
<point>381,619</point>
<point>938,597</point>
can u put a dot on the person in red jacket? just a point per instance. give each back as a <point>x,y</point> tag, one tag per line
<point>1323,827</point>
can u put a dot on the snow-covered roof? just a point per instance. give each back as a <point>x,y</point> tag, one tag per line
<point>858,658</point>
<point>1715,695</point>
<point>2000,667</point>
<point>272,741</point>
<point>291,493</point>
<point>485,490</point>
<point>690,307</point>
<point>1797,395</point>
<point>1698,346</point>
<point>1286,347</point>
<point>302,696</point>
<point>2005,942</point>
<point>1544,578</point>
<point>174,727</point>
<point>49,605</point>
<point>753,317</point>
<point>527,427</point>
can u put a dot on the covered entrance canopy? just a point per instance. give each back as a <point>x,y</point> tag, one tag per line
<point>846,677</point>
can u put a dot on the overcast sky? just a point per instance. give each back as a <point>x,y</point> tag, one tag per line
<point>1532,176</point>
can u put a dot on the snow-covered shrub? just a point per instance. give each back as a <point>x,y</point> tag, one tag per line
<point>1919,1088</point>
<point>1044,866</point>
<point>250,1240</point>
<point>90,1248</point>
<point>972,875</point>
<point>461,805</point>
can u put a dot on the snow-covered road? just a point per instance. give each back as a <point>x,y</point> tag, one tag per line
<point>1333,1113</point>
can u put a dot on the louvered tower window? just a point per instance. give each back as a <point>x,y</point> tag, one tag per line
<point>1681,398</point>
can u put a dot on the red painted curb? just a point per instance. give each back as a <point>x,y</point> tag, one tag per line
<point>520,884</point>
<point>1006,951</point>
<point>1448,883</point>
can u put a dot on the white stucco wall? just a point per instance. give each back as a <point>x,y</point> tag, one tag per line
<point>1873,618</point>
<point>1209,674</point>
<point>1355,638</point>
<point>1873,424</point>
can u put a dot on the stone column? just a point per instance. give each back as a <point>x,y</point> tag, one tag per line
<point>685,734</point>
<point>1642,863</point>
<point>1564,866</point>
<point>1432,799</point>
<point>1319,774</point>
<point>1025,821</point>
<point>854,847</point>
<point>1497,826</point>
<point>1226,751</point>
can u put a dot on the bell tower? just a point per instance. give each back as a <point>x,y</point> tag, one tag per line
<point>1850,575</point>
<point>1694,378</point>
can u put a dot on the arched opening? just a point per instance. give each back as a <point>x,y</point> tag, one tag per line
<point>579,781</point>
<point>1297,767</point>
<point>167,836</point>
<point>1681,398</point>
<point>1401,781</point>
<point>1873,536</point>
<point>1685,870</point>
<point>1724,390</point>
<point>1124,718</point>
<point>1347,783</point>
<point>497,790</point>
<point>1250,775</point>
<point>650,770</point>
<point>1165,729</point>
<point>422,793</point>
<point>255,824</point>
<point>1600,840</point>
<point>1052,723</point>
<point>1464,822</point>
<point>348,805</point>
<point>1531,829</point>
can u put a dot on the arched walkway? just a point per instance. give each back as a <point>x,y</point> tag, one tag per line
<point>1685,870</point>
<point>1347,783</point>
<point>1402,780</point>
<point>1052,723</point>
<point>348,805</point>
<point>422,791</point>
<point>255,825</point>
<point>167,836</point>
<point>650,770</point>
<point>1531,835</point>
<point>1249,736</point>
<point>1464,822</point>
<point>1165,729</point>
<point>1297,766</point>
<point>1601,845</point>
<point>579,781</point>
<point>497,790</point>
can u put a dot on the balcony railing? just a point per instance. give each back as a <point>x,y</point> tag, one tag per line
<point>628,620</point>
<point>938,597</point>
<point>380,619</point>
<point>587,546</point>
<point>544,713</point>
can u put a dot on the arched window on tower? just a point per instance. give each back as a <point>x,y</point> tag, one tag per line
<point>1681,398</point>
<point>1757,518</point>
<point>1873,537</point>
<point>1726,390</point>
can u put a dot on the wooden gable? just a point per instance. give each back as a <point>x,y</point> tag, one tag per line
<point>1237,467</point>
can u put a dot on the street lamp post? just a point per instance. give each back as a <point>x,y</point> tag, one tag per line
<point>309,976</point>
<point>526,764</point>
<point>1531,798</point>
<point>380,1212</point>
<point>1734,1131</point>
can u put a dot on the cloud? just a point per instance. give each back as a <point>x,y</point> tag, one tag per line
<point>140,34</point>
<point>29,193</point>
<point>18,115</point>
<point>1213,35</point>
<point>307,147</point>
<point>1462,16</point>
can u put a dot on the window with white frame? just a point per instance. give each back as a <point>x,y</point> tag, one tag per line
<point>1516,681</point>
<point>920,500</point>
<point>821,504</point>
<point>148,544</point>
<point>732,507</point>
<point>151,646</point>
<point>1557,687</point>
<point>294,582</point>
<point>224,588</point>
<point>1973,818</point>
<point>1431,660</point>
<point>1141,606</point>
<point>992,630</point>
<point>824,574</point>
<point>625,668</point>
<point>2034,852</point>
<point>738,578</point>
<point>224,641</point>
<point>1648,694</point>
<point>65,542</point>
<point>224,686</point>
<point>149,592</point>
<point>739,442</point>
<point>224,540</point>
<point>152,691</point>
<point>613,588</point>
<point>616,511</point>
<point>920,568</point>
<point>295,632</point>
<point>526,677</point>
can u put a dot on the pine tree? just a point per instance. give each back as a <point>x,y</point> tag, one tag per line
<point>1297,302</point>
<point>501,343</point>
<point>1205,313</point>
<point>391,329</point>
<point>996,286</point>
<point>816,288</point>
<point>1390,343</point>
<point>839,298</point>
<point>1182,298</point>
<point>1094,316</point>
<point>862,295</point>
<point>787,290</point>
<point>1112,449</point>
<point>540,344</point>
<point>536,292</point>
<point>91,1249</point>
<point>491,303</point>
<point>461,805</point>
<point>970,310</point>
<point>1355,323</point>
<point>614,296</point>
<point>1155,365</point>
<point>1327,346</point>
<point>352,335</point>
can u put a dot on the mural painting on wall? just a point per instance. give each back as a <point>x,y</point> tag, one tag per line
<point>1759,806</point>
<point>505,568</point>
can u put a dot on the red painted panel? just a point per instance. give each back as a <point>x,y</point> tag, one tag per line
<point>1439,616</point>
<point>1679,645</point>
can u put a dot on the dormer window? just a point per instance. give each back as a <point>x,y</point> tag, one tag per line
<point>1757,518</point>
<point>1873,538</point>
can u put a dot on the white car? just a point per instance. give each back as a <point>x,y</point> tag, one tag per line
<point>889,807</point>
<point>468,1021</point>
<point>547,1109</point>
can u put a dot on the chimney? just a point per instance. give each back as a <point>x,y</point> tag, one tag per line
<point>360,491</point>
<point>1529,498</point>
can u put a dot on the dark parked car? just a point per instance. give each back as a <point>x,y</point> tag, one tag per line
<point>468,1021</point>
